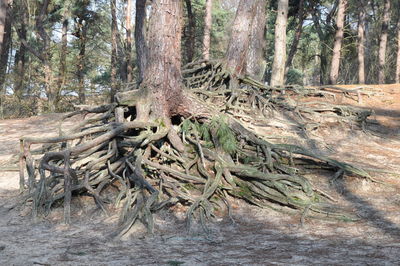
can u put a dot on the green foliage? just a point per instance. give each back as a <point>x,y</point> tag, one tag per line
<point>294,77</point>
<point>217,131</point>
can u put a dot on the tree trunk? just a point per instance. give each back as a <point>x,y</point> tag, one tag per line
<point>19,65</point>
<point>5,38</point>
<point>335,64</point>
<point>207,30</point>
<point>299,30</point>
<point>256,56</point>
<point>114,51</point>
<point>81,32</point>
<point>360,45</point>
<point>398,53</point>
<point>238,48</point>
<point>162,75</point>
<point>383,42</point>
<point>140,40</point>
<point>278,66</point>
<point>63,55</point>
<point>129,75</point>
<point>45,57</point>
<point>191,32</point>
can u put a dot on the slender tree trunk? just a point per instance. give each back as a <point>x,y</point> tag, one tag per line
<point>129,74</point>
<point>398,53</point>
<point>335,64</point>
<point>361,45</point>
<point>207,30</point>
<point>114,51</point>
<point>82,29</point>
<point>63,55</point>
<point>256,55</point>
<point>46,57</point>
<point>5,38</point>
<point>278,66</point>
<point>383,42</point>
<point>140,40</point>
<point>191,32</point>
<point>297,36</point>
<point>19,65</point>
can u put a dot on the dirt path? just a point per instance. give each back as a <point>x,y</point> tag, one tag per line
<point>258,237</point>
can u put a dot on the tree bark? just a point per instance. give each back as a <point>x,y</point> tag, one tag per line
<point>361,44</point>
<point>207,30</point>
<point>299,30</point>
<point>398,53</point>
<point>238,48</point>
<point>162,75</point>
<point>128,11</point>
<point>20,59</point>
<point>81,34</point>
<point>114,52</point>
<point>140,40</point>
<point>278,66</point>
<point>5,38</point>
<point>63,54</point>
<point>383,42</point>
<point>256,56</point>
<point>191,30</point>
<point>335,64</point>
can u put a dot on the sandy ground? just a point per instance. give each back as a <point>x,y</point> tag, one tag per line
<point>256,237</point>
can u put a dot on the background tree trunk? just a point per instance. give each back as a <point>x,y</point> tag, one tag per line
<point>140,40</point>
<point>335,64</point>
<point>207,30</point>
<point>81,32</point>
<point>19,65</point>
<point>5,38</point>
<point>238,48</point>
<point>114,52</point>
<point>299,30</point>
<point>63,54</point>
<point>256,55</point>
<point>361,43</point>
<point>278,66</point>
<point>398,53</point>
<point>191,32</point>
<point>128,11</point>
<point>383,42</point>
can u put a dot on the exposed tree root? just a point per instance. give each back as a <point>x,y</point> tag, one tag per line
<point>196,159</point>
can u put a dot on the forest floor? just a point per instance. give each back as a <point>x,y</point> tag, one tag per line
<point>258,236</point>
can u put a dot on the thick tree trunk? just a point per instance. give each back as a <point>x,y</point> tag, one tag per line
<point>278,66</point>
<point>81,34</point>
<point>207,30</point>
<point>360,45</point>
<point>5,38</point>
<point>256,56</point>
<point>191,32</point>
<point>398,53</point>
<point>114,52</point>
<point>162,74</point>
<point>299,30</point>
<point>335,64</point>
<point>128,11</point>
<point>238,48</point>
<point>383,42</point>
<point>140,40</point>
